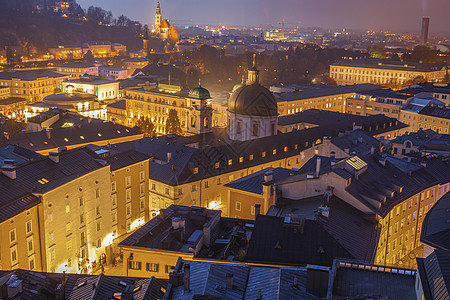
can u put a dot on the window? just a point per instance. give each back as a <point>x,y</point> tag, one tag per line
<point>28,227</point>
<point>69,244</point>
<point>128,209</point>
<point>67,208</point>
<point>98,226</point>
<point>141,175</point>
<point>152,267</point>
<point>153,186</point>
<point>81,201</point>
<point>113,186</point>
<point>81,218</point>
<point>114,217</point>
<point>274,151</point>
<point>194,188</point>
<point>114,200</point>
<point>50,237</point>
<point>206,184</point>
<point>169,268</point>
<point>166,191</point>
<point>97,210</point>
<point>255,130</point>
<point>14,255</point>
<point>12,236</point>
<point>68,226</point>
<point>238,127</point>
<point>31,263</point>
<point>50,217</point>
<point>52,255</point>
<point>134,265</point>
<point>83,238</point>
<point>238,206</point>
<point>128,195</point>
<point>97,193</point>
<point>142,188</point>
<point>142,203</point>
<point>252,210</point>
<point>30,245</point>
<point>127,181</point>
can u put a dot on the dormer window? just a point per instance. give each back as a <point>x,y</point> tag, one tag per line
<point>263,154</point>
<point>195,170</point>
<point>250,157</point>
<point>285,149</point>
<point>216,165</point>
<point>230,162</point>
<point>274,151</point>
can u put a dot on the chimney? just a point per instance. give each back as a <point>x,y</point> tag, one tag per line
<point>257,210</point>
<point>9,168</point>
<point>229,277</point>
<point>48,133</point>
<point>62,149</point>
<point>318,162</point>
<point>178,222</point>
<point>169,156</point>
<point>360,139</point>
<point>268,176</point>
<point>372,150</point>
<point>54,156</point>
<point>6,135</point>
<point>187,277</point>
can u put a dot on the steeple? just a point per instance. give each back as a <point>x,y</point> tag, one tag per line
<point>253,73</point>
<point>158,16</point>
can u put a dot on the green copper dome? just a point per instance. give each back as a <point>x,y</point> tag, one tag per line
<point>199,93</point>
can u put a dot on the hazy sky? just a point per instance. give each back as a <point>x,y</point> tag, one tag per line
<point>404,15</point>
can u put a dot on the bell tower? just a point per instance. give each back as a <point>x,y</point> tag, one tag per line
<point>199,116</point>
<point>157,16</point>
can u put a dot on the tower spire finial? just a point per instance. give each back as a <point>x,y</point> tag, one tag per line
<point>254,60</point>
<point>199,82</point>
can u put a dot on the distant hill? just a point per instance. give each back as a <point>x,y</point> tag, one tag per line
<point>36,32</point>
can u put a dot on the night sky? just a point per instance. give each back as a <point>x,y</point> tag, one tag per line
<point>396,15</point>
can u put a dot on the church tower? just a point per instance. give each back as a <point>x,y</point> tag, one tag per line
<point>157,16</point>
<point>199,116</point>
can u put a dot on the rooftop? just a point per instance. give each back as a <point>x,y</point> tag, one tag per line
<point>83,133</point>
<point>436,225</point>
<point>434,271</point>
<point>121,104</point>
<point>77,64</point>
<point>390,65</point>
<point>418,138</point>
<point>29,75</point>
<point>12,100</point>
<point>181,229</point>
<point>314,92</point>
<point>352,280</point>
<point>291,240</point>
<point>209,281</point>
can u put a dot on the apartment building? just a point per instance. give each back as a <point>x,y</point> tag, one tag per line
<point>61,213</point>
<point>354,71</point>
<point>425,114</point>
<point>33,85</point>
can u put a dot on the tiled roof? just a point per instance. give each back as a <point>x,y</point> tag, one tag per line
<point>418,138</point>
<point>436,225</point>
<point>387,93</point>
<point>253,183</point>
<point>16,193</point>
<point>83,134</point>
<point>209,280</point>
<point>435,111</point>
<point>18,154</point>
<point>121,104</point>
<point>434,273</point>
<point>123,159</point>
<point>29,75</point>
<point>274,241</point>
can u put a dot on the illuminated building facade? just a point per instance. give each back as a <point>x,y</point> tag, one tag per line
<point>33,85</point>
<point>76,69</point>
<point>68,222</point>
<point>353,71</point>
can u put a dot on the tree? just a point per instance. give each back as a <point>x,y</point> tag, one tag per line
<point>376,51</point>
<point>446,78</point>
<point>173,125</point>
<point>416,80</point>
<point>147,126</point>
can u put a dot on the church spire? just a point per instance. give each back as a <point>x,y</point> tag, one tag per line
<point>158,16</point>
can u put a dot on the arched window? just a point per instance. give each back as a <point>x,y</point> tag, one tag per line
<point>205,122</point>
<point>408,144</point>
<point>193,121</point>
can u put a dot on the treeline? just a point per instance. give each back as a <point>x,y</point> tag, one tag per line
<point>301,65</point>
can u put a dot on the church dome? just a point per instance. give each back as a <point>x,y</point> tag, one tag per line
<point>199,93</point>
<point>253,100</point>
